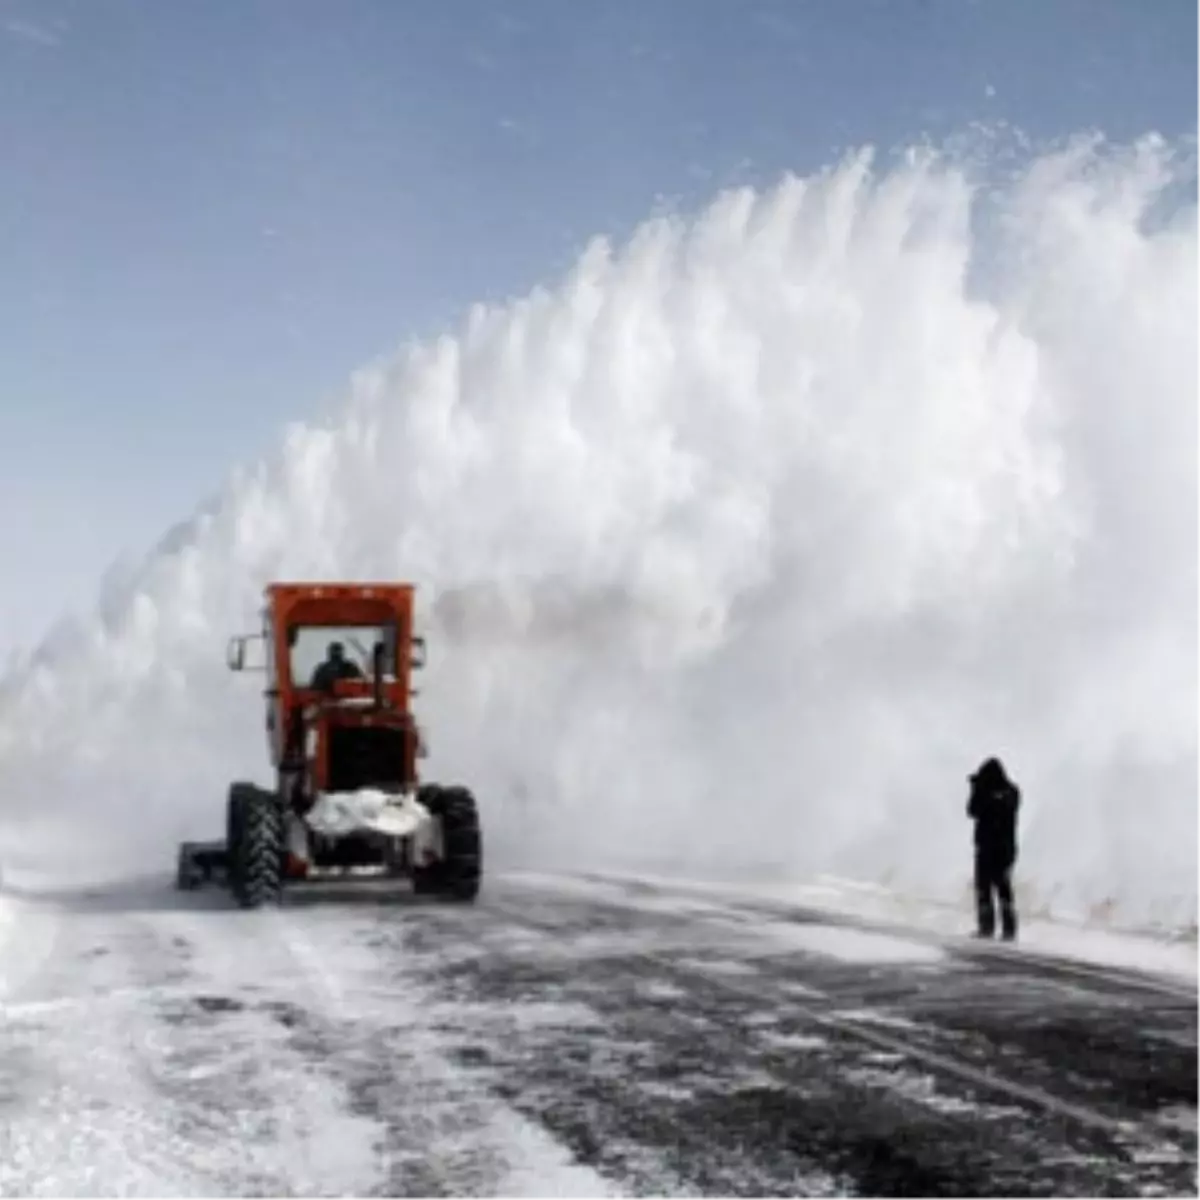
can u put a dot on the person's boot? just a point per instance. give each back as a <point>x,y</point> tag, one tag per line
<point>1008,924</point>
<point>985,917</point>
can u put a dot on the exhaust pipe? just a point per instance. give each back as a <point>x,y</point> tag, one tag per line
<point>377,656</point>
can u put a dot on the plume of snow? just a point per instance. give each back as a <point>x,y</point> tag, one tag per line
<point>739,548</point>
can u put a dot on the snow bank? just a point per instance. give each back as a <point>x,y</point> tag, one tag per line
<point>1160,954</point>
<point>746,542</point>
<point>29,933</point>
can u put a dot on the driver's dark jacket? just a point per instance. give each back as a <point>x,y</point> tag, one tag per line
<point>328,672</point>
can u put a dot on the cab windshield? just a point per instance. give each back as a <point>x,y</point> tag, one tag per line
<point>320,653</point>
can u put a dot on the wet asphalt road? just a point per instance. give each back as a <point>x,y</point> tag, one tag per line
<point>747,1068</point>
<point>559,1042</point>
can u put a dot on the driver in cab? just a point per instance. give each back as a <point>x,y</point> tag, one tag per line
<point>336,666</point>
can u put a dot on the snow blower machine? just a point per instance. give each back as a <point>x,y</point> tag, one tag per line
<point>344,746</point>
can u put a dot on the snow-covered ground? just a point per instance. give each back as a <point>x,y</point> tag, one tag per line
<point>153,1050</point>
<point>22,951</point>
<point>554,1041</point>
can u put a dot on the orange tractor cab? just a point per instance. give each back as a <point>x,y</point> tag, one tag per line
<point>344,745</point>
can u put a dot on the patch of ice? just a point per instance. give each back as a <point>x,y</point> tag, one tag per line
<point>793,987</point>
<point>923,1089</point>
<point>796,1041</point>
<point>761,1020</point>
<point>846,944</point>
<point>1177,1116</point>
<point>657,989</point>
<point>885,1058</point>
<point>754,1079</point>
<point>719,966</point>
<point>514,1015</point>
<point>666,1091</point>
<point>870,1016</point>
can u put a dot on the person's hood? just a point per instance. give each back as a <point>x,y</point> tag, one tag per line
<point>991,770</point>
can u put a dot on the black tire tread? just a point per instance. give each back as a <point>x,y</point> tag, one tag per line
<point>256,848</point>
<point>459,875</point>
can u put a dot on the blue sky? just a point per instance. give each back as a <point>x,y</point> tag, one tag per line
<point>211,213</point>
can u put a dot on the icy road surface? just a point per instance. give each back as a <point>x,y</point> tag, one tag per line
<point>560,1040</point>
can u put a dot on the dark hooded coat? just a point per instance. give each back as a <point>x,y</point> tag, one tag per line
<point>993,805</point>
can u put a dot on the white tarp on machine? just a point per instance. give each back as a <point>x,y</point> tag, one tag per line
<point>337,814</point>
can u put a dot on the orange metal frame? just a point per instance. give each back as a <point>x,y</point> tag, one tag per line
<point>289,605</point>
<point>308,604</point>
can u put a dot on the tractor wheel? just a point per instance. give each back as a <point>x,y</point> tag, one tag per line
<point>256,849</point>
<point>427,880</point>
<point>458,875</point>
<point>239,795</point>
<point>464,845</point>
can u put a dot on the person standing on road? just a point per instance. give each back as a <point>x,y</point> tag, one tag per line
<point>993,806</point>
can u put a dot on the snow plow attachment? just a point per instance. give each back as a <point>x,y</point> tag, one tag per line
<point>346,800</point>
<point>200,863</point>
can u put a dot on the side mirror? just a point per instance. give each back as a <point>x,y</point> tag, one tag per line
<point>418,653</point>
<point>235,654</point>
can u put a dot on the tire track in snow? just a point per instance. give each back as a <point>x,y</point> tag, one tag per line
<point>730,1014</point>
<point>354,1043</point>
<point>150,1071</point>
<point>80,1117</point>
<point>160,1051</point>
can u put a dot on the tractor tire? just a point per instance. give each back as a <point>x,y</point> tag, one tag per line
<point>426,881</point>
<point>239,795</point>
<point>235,807</point>
<point>464,845</point>
<point>457,877</point>
<point>257,845</point>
